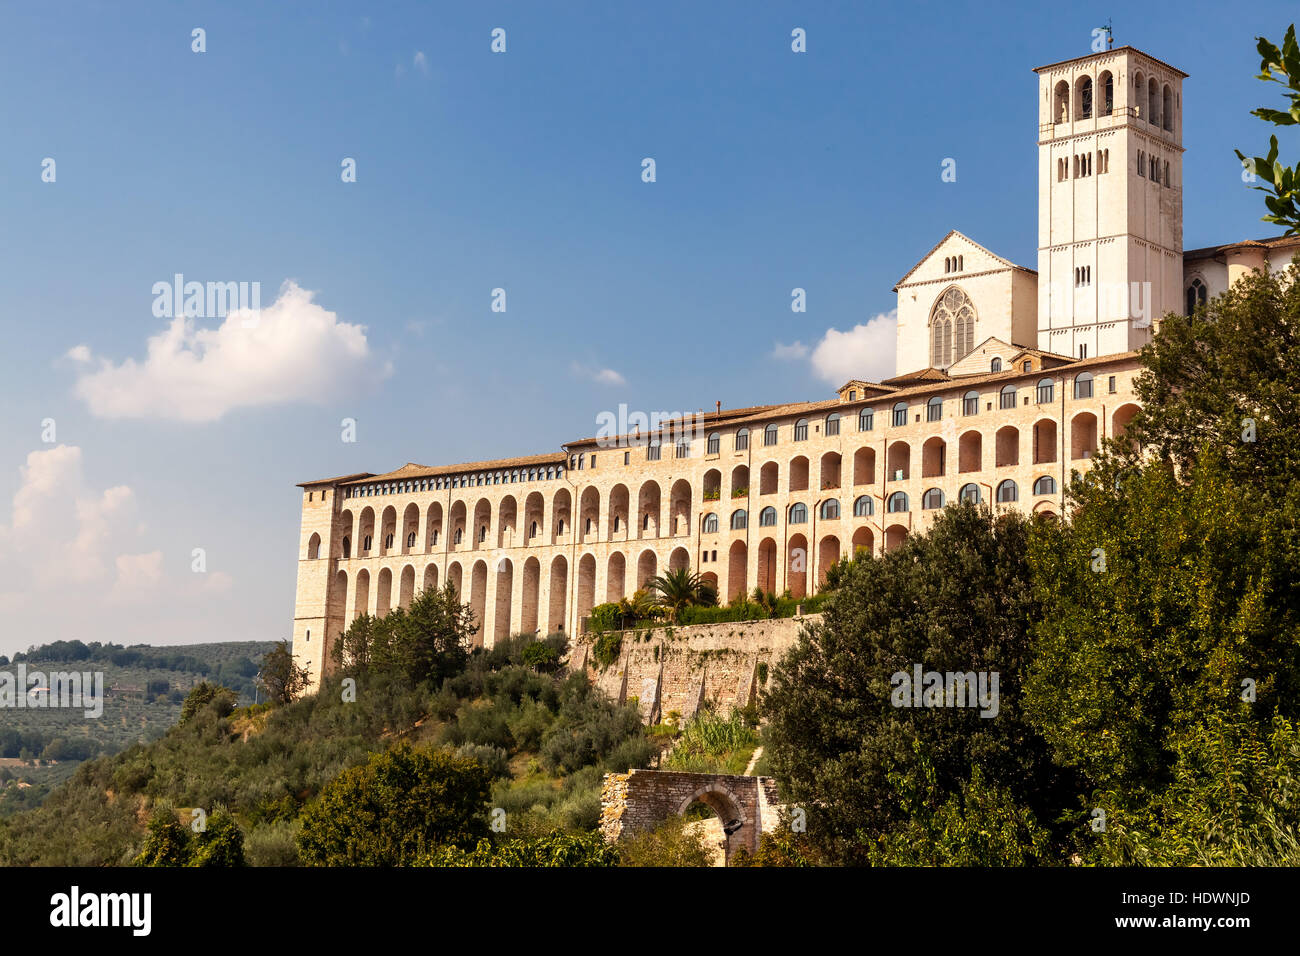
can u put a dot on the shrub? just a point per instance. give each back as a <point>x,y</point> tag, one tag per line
<point>493,759</point>
<point>607,648</point>
<point>669,844</point>
<point>273,844</point>
<point>604,617</point>
<point>401,804</point>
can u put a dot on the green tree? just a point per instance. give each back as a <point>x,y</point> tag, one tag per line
<point>1226,378</point>
<point>426,642</point>
<point>1282,194</point>
<point>221,842</point>
<point>222,699</point>
<point>679,588</point>
<point>1162,598</point>
<point>957,598</point>
<point>403,803</point>
<point>167,840</point>
<point>281,677</point>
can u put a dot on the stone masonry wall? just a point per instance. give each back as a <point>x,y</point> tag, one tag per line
<point>682,669</point>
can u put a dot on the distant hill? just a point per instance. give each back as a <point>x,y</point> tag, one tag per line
<point>143,690</point>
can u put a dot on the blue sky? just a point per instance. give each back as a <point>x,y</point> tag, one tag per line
<point>475,170</point>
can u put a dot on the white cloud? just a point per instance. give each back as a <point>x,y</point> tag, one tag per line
<point>421,62</point>
<point>795,350</point>
<point>865,351</point>
<point>601,376</point>
<point>73,557</point>
<point>293,351</point>
<point>61,532</point>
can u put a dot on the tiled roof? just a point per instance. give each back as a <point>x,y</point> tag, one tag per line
<point>1274,242</point>
<point>412,470</point>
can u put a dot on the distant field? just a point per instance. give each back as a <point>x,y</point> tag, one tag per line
<point>42,747</point>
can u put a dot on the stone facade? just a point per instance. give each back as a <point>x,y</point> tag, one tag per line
<point>1015,385</point>
<point>642,799</point>
<point>679,670</point>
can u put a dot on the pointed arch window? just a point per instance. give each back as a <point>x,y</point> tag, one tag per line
<point>952,328</point>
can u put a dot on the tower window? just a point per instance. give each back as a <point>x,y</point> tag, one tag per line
<point>1196,295</point>
<point>1083,97</point>
<point>1142,164</point>
<point>1106,87</point>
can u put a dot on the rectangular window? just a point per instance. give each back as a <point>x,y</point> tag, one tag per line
<point>866,420</point>
<point>742,441</point>
<point>934,412</point>
<point>1008,400</point>
<point>832,426</point>
<point>769,436</point>
<point>1083,351</point>
<point>683,449</point>
<point>627,455</point>
<point>1045,393</point>
<point>1111,383</point>
<point>715,442</point>
<point>971,406</point>
<point>900,417</point>
<point>652,451</point>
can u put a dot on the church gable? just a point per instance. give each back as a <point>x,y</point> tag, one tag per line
<point>979,361</point>
<point>953,257</point>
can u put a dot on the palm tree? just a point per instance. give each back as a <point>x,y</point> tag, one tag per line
<point>679,588</point>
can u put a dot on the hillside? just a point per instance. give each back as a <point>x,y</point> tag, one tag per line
<point>144,687</point>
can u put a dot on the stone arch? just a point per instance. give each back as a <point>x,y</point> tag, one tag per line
<point>648,510</point>
<point>619,510</point>
<point>505,587</point>
<point>830,468</point>
<point>679,559</point>
<point>769,476</point>
<point>458,527</point>
<point>616,577</point>
<point>456,579</point>
<point>737,571</point>
<point>433,526</point>
<point>1044,441</point>
<point>478,577</point>
<point>365,543</point>
<point>482,526</point>
<point>586,584</point>
<point>507,522</point>
<point>863,540</point>
<point>346,520</point>
<point>534,518</point>
<point>798,473</point>
<point>766,577</point>
<point>1007,447</point>
<point>646,567</point>
<point>864,466</point>
<point>740,481</point>
<point>384,588</point>
<point>1122,418</point>
<point>934,455</point>
<point>895,535</point>
<point>1083,435</point>
<point>970,452</point>
<point>361,593</point>
<point>828,553</point>
<point>387,542</point>
<point>410,529</point>
<point>561,515</point>
<point>531,594</point>
<point>680,499</point>
<point>559,589</point>
<point>406,587</point>
<point>898,461</point>
<point>313,547</point>
<point>589,516</point>
<point>797,558</point>
<point>431,577</point>
<point>712,485</point>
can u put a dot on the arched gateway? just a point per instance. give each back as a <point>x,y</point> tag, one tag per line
<point>642,799</point>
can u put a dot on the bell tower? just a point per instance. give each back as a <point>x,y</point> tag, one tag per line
<point>1110,201</point>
